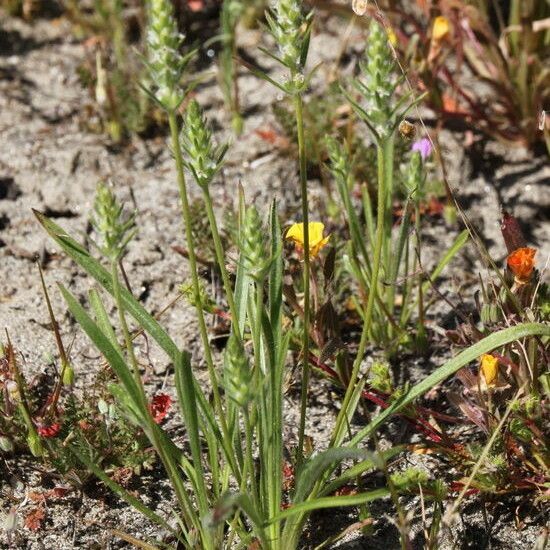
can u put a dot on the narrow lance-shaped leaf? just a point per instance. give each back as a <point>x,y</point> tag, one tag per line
<point>331,502</point>
<point>486,345</point>
<point>104,345</point>
<point>83,258</point>
<point>120,491</point>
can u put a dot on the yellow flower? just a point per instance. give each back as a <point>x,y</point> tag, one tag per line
<point>316,240</point>
<point>392,37</point>
<point>489,368</point>
<point>441,28</point>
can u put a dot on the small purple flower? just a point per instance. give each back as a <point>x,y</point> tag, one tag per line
<point>424,147</point>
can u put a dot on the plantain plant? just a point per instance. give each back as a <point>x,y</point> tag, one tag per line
<point>235,485</point>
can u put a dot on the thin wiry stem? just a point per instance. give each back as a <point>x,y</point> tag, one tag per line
<point>305,220</point>
<point>186,215</point>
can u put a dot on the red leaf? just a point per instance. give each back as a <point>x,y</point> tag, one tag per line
<point>35,518</point>
<point>512,233</point>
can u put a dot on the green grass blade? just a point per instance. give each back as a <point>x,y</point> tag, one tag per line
<point>102,318</point>
<point>314,468</point>
<point>276,279</point>
<point>331,502</point>
<point>377,460</point>
<point>103,344</point>
<point>186,396</point>
<point>93,268</point>
<point>120,491</point>
<point>486,345</point>
<point>342,428</point>
<point>457,245</point>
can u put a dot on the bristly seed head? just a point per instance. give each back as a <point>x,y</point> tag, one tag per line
<point>378,84</point>
<point>253,245</point>
<point>237,373</point>
<point>113,227</point>
<point>204,159</point>
<point>290,27</point>
<point>165,62</point>
<point>414,176</point>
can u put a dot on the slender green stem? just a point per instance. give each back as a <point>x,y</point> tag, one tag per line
<point>186,215</point>
<point>385,155</point>
<point>259,417</point>
<point>305,219</point>
<point>275,412</point>
<point>152,428</point>
<point>380,231</point>
<point>220,257</point>
<point>249,461</point>
<point>126,332</point>
<point>37,448</point>
<point>421,327</point>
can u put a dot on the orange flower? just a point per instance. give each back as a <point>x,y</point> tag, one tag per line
<point>521,263</point>
<point>489,368</point>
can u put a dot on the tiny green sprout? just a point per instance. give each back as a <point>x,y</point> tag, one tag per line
<point>114,229</point>
<point>204,159</point>
<point>408,479</point>
<point>204,301</point>
<point>380,378</point>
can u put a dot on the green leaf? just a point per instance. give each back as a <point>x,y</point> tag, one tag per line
<point>331,502</point>
<point>242,280</point>
<point>225,508</point>
<point>315,467</point>
<point>457,245</point>
<point>83,258</point>
<point>340,432</point>
<point>186,395</point>
<point>103,344</point>
<point>260,74</point>
<point>102,318</point>
<point>363,115</point>
<point>377,460</point>
<point>120,491</point>
<point>275,278</point>
<point>488,344</point>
